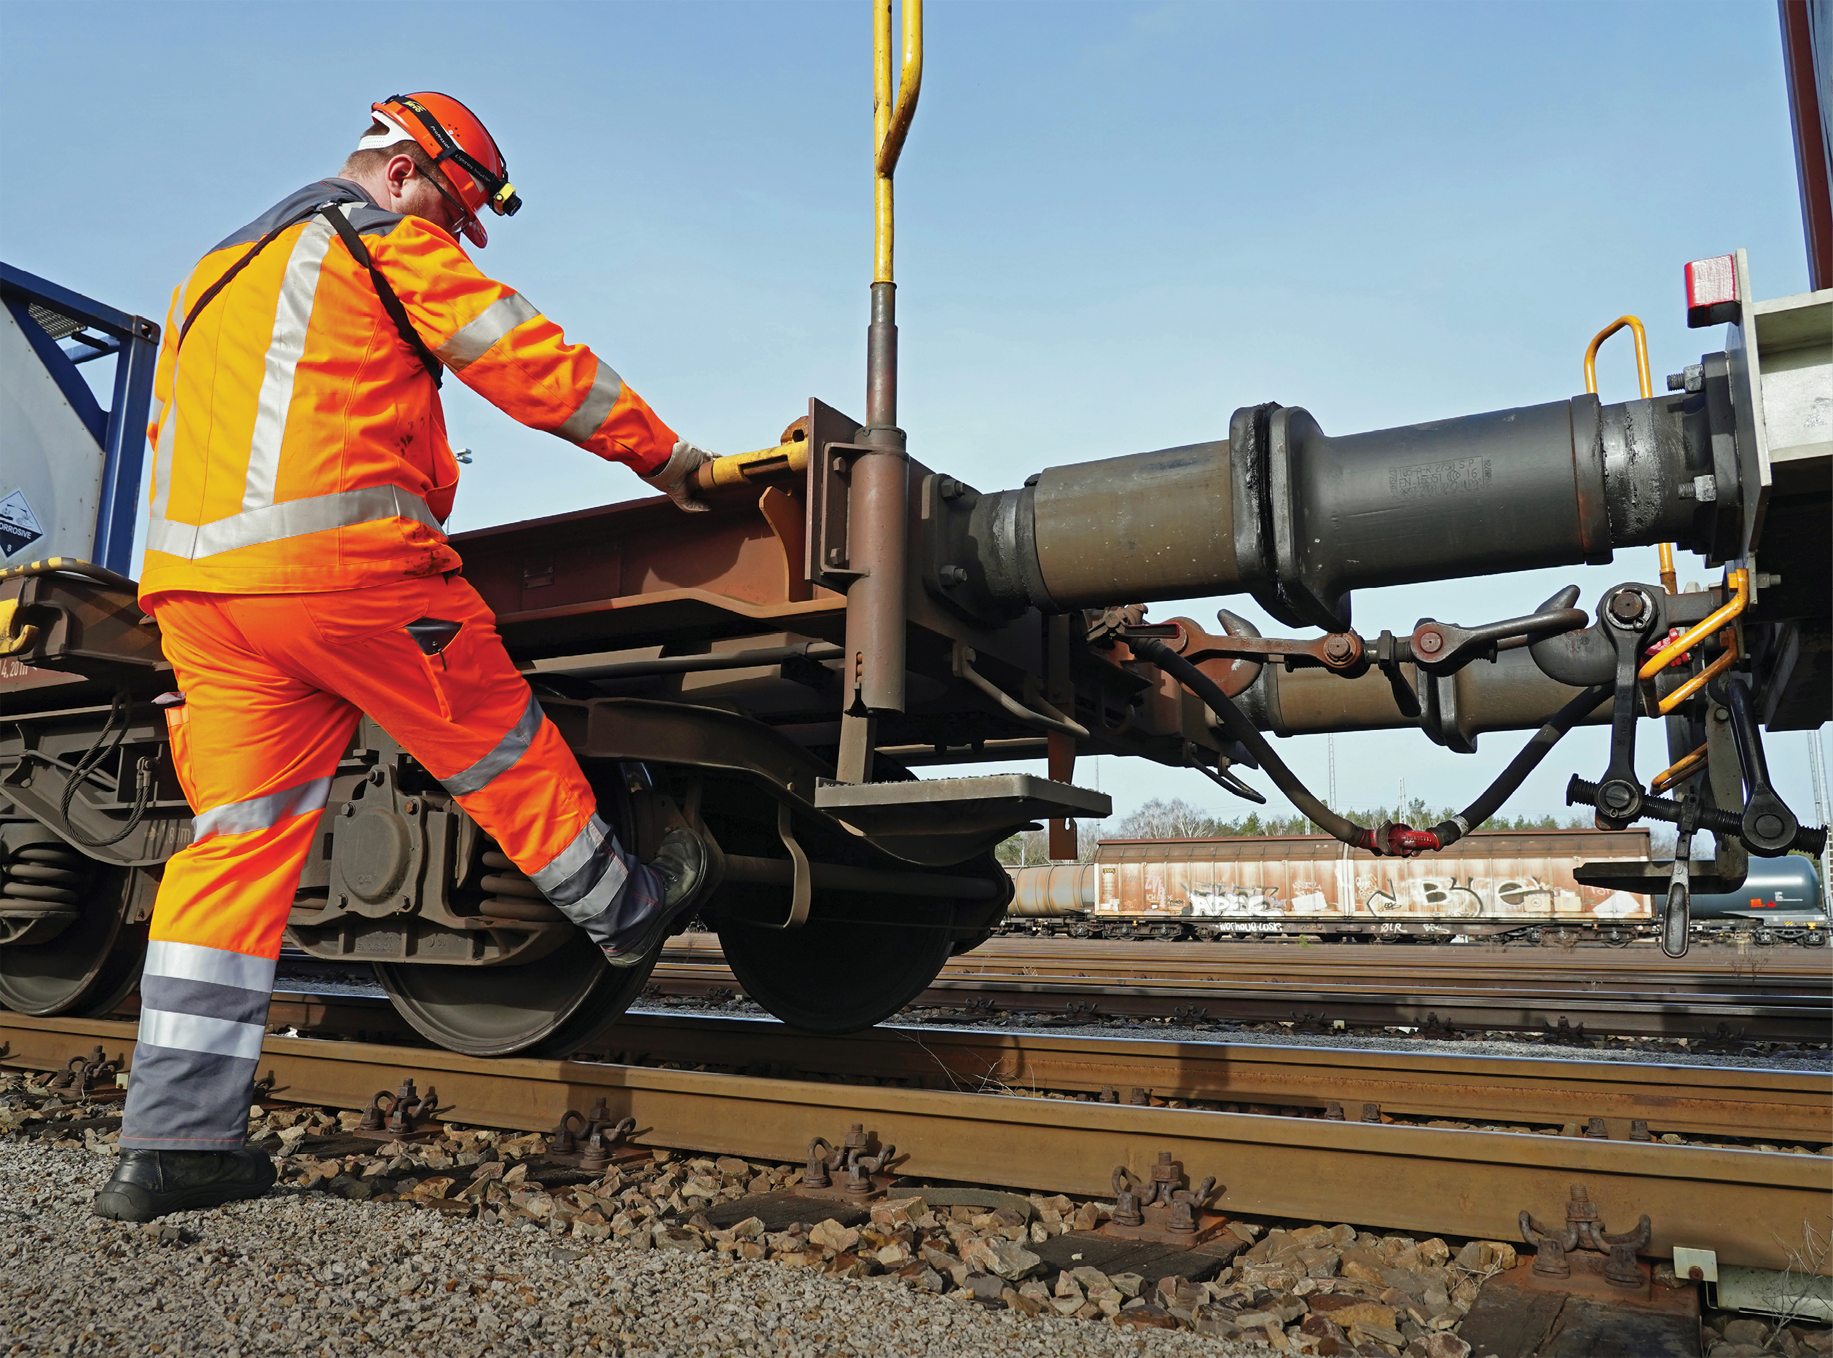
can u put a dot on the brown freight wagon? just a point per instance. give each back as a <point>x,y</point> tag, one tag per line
<point>1489,883</point>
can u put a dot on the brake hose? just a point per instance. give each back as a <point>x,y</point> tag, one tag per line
<point>1387,839</point>
<point>121,709</point>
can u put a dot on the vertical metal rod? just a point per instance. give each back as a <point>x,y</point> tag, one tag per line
<point>878,504</point>
<point>125,447</point>
<point>1060,746</point>
<point>1818,769</point>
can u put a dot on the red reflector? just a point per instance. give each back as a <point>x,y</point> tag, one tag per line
<point>1712,291</point>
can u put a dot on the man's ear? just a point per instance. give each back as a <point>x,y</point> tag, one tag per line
<point>398,171</point>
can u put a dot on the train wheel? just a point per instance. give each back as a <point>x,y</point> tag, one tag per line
<point>834,976</point>
<point>551,1007</point>
<point>87,964</point>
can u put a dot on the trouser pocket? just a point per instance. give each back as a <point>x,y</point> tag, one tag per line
<point>178,734</point>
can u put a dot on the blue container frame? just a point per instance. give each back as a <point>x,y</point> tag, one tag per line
<point>121,430</point>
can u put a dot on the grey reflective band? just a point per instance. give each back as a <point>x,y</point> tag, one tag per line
<point>292,317</point>
<point>288,519</point>
<point>219,966</point>
<point>584,878</point>
<point>479,337</point>
<point>261,813</point>
<point>607,386</point>
<point>508,750</point>
<point>230,1003</point>
<point>196,1033</point>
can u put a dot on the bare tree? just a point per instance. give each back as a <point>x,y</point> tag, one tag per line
<point>1798,1291</point>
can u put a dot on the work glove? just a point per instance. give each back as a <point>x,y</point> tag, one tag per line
<point>675,477</point>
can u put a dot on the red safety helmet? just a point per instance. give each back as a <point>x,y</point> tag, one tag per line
<point>460,145</point>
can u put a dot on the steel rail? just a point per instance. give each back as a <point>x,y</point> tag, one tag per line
<point>1399,986</point>
<point>1767,1105</point>
<point>1744,1204</point>
<point>1717,1101</point>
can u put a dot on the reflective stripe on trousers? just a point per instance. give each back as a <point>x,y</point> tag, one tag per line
<point>202,1015</point>
<point>587,882</point>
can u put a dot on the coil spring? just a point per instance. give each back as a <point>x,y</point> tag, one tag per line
<point>513,896</point>
<point>42,877</point>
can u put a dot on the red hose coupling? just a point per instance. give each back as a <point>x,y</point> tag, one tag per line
<point>1402,841</point>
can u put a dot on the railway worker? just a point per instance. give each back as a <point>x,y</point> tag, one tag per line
<point>297,571</point>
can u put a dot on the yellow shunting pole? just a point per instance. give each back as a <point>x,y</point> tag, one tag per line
<point>1669,581</point>
<point>893,105</point>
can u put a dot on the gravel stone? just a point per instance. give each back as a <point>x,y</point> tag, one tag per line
<point>308,1274</point>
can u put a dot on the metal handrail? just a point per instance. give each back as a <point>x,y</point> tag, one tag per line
<point>1665,550</point>
<point>1739,581</point>
<point>892,111</point>
<point>1679,771</point>
<point>1704,677</point>
<point>1641,337</point>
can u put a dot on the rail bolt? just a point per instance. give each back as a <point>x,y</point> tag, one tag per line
<point>562,1141</point>
<point>372,1115</point>
<point>1127,1207</point>
<point>815,1174</point>
<point>1621,1269</point>
<point>1549,1249</point>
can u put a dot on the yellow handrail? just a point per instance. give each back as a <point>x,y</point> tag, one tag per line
<point>1641,338</point>
<point>1679,771</point>
<point>1704,677</point>
<point>1669,581</point>
<point>1740,582</point>
<point>892,109</point>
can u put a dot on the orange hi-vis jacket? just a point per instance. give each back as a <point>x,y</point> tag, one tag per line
<point>299,443</point>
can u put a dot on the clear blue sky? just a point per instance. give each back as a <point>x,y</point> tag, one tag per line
<point>1117,223</point>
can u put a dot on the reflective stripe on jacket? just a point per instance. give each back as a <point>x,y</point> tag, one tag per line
<point>299,443</point>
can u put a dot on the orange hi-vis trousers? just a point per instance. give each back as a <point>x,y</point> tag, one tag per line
<point>273,686</point>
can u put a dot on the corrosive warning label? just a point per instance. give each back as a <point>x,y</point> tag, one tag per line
<point>19,526</point>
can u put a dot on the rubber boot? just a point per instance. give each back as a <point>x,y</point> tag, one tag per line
<point>679,867</point>
<point>148,1184</point>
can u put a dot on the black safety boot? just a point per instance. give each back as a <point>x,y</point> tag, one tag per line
<point>679,868</point>
<point>148,1184</point>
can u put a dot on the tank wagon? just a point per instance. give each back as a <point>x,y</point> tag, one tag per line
<point>1497,884</point>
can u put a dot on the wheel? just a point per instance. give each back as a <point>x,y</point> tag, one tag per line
<point>88,965</point>
<point>834,976</point>
<point>551,1007</point>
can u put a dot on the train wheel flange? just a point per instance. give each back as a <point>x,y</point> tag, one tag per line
<point>549,1008</point>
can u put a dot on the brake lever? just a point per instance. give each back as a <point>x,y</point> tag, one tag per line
<point>1676,909</point>
<point>1628,614</point>
<point>1769,827</point>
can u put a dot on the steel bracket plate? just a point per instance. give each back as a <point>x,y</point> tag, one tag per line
<point>830,437</point>
<point>957,804</point>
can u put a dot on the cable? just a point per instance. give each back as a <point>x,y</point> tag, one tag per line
<point>143,768</point>
<point>1521,765</point>
<point>1389,839</point>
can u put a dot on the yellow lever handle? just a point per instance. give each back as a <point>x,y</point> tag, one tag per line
<point>740,467</point>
